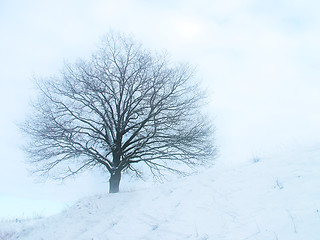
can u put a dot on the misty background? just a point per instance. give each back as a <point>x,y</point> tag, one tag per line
<point>259,61</point>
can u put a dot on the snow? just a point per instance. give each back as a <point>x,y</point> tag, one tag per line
<point>276,198</point>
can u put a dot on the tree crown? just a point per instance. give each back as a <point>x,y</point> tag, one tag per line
<point>122,107</point>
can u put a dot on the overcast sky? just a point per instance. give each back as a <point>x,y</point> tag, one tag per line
<point>259,60</point>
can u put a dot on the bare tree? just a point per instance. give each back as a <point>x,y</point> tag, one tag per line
<point>122,107</point>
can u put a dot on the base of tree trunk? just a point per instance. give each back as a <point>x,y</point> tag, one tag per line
<point>114,182</point>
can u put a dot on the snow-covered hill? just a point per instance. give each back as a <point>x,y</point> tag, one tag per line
<point>276,198</point>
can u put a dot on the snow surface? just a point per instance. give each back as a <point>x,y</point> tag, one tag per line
<point>275,198</point>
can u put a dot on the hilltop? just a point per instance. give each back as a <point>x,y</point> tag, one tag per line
<point>269,198</point>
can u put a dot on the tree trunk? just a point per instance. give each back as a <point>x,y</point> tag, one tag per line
<point>114,182</point>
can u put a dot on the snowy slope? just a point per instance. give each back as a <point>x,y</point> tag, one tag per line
<point>277,198</point>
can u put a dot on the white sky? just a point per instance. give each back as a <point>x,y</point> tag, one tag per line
<point>259,60</point>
